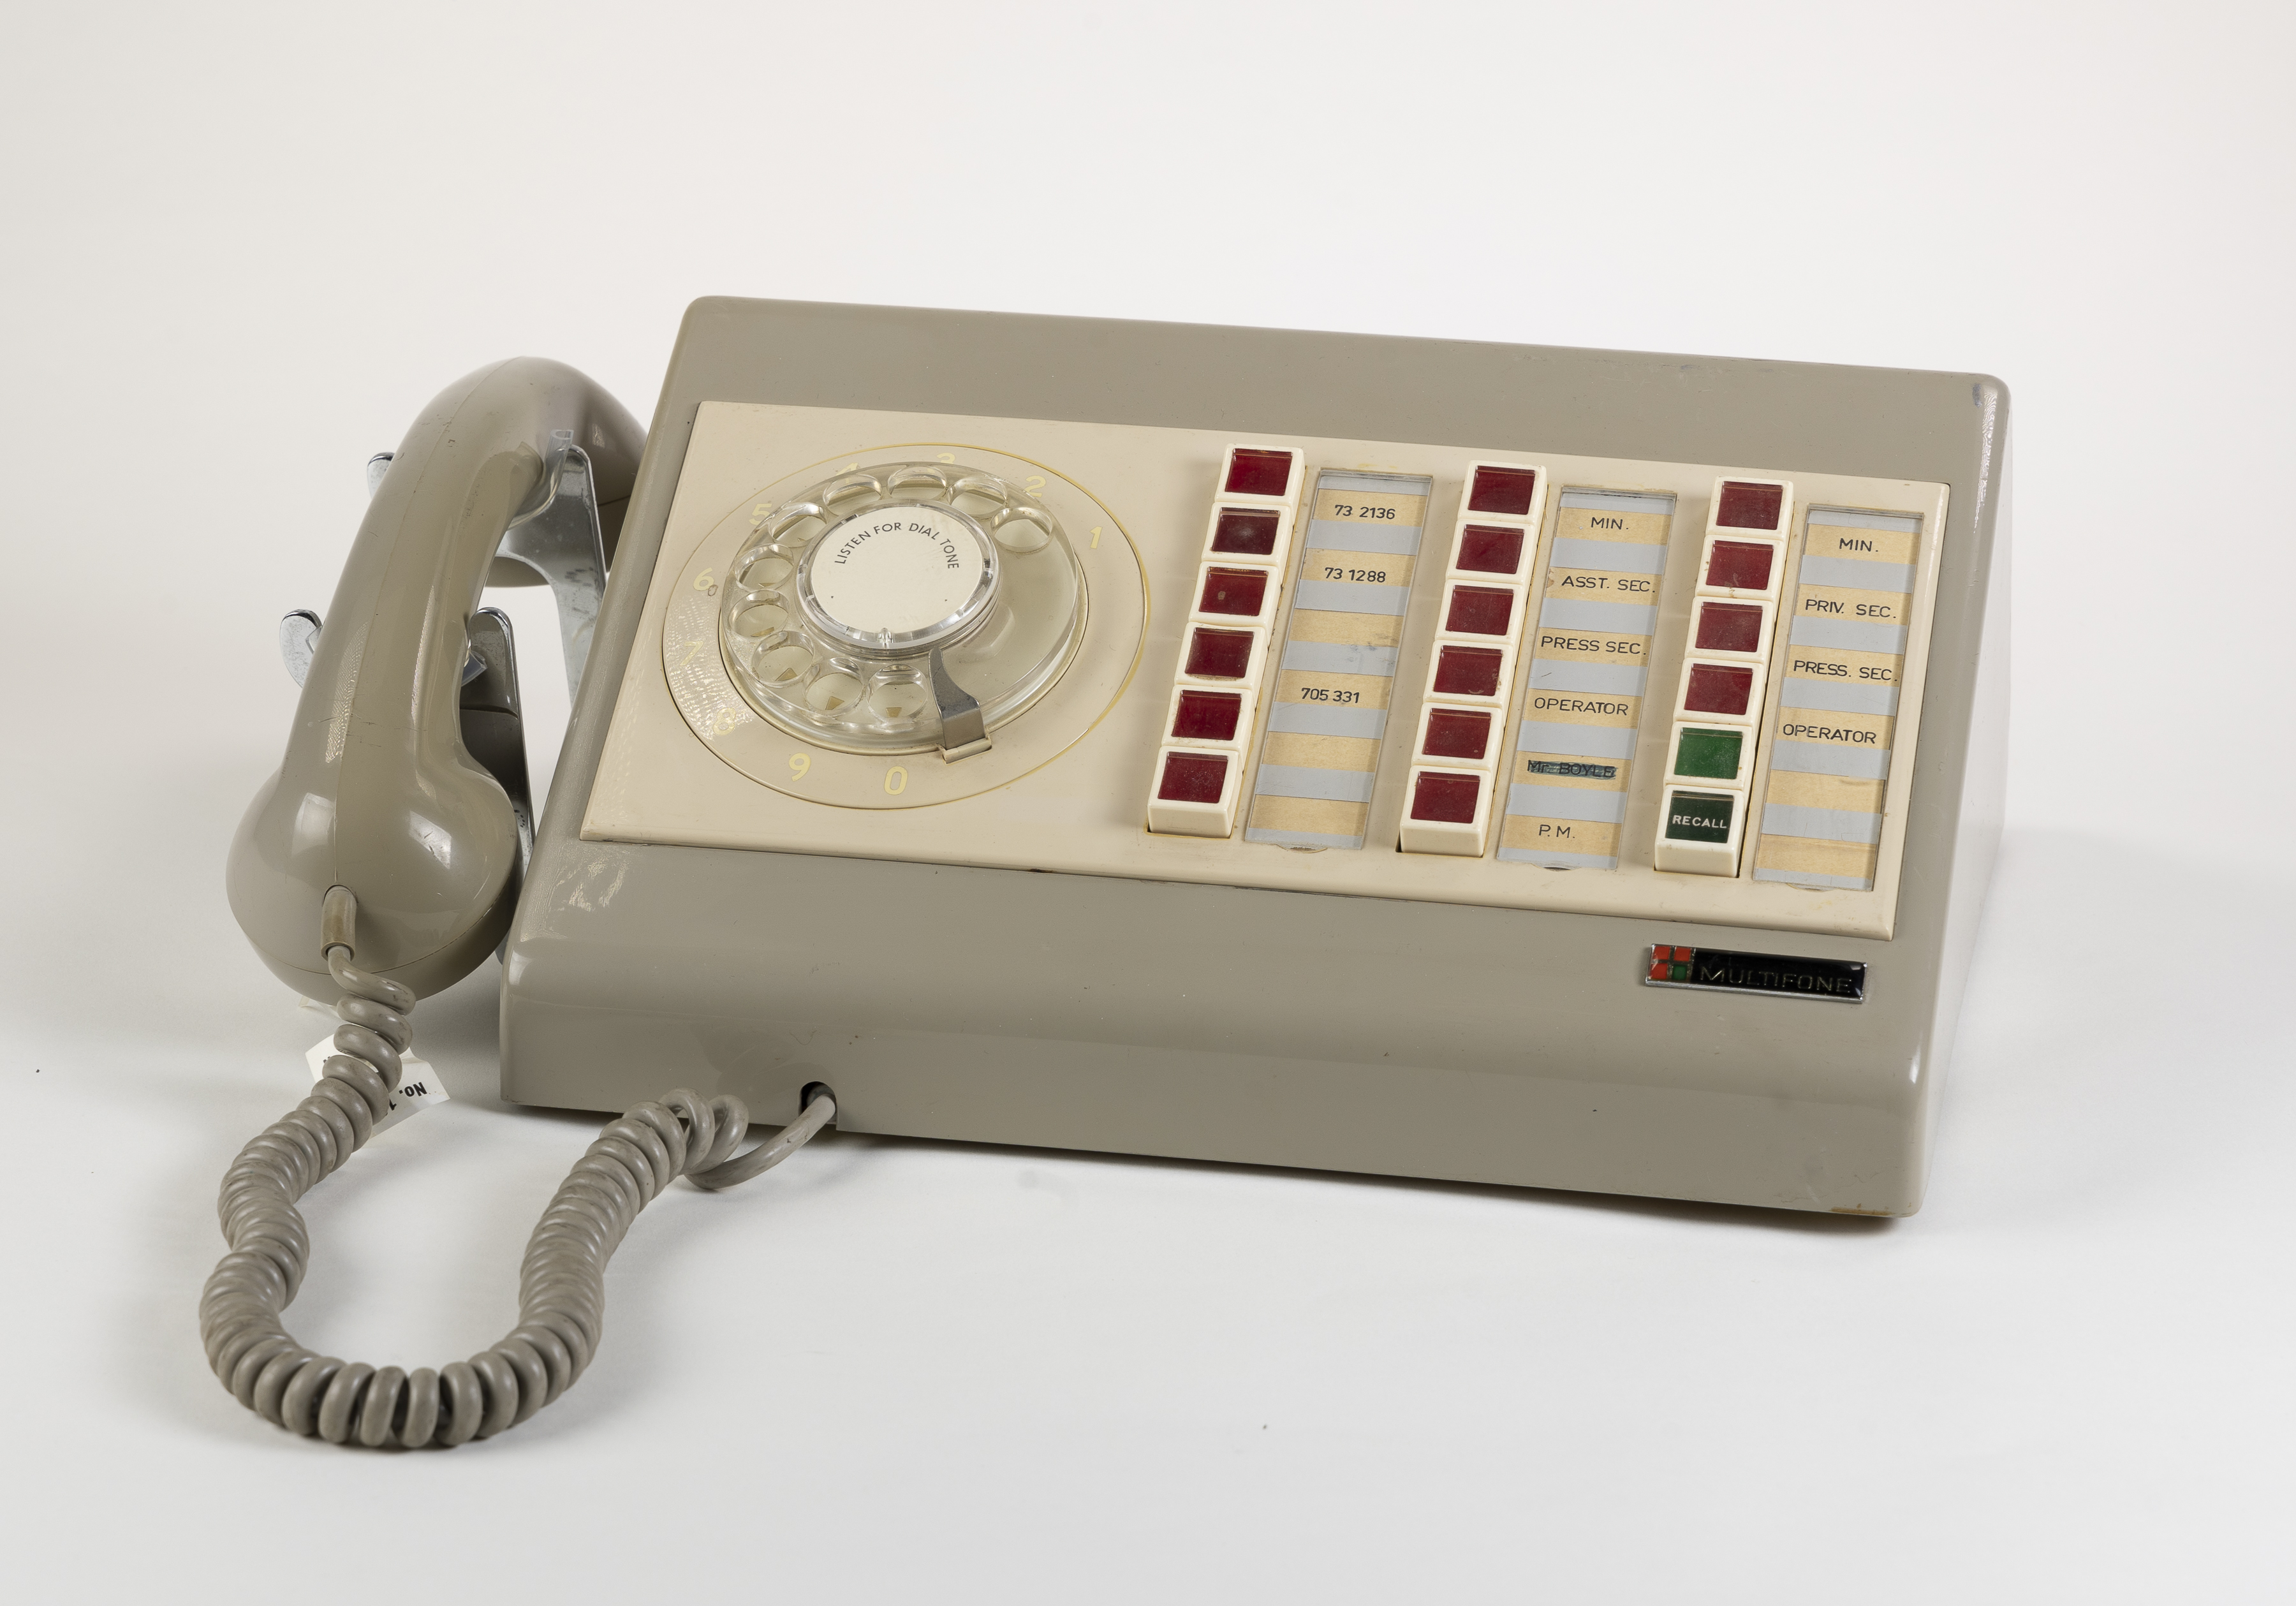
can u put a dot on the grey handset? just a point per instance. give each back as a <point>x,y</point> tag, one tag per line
<point>377,790</point>
<point>382,862</point>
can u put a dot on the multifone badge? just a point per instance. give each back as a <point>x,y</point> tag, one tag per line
<point>1727,971</point>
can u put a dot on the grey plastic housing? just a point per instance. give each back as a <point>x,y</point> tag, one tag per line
<point>1104,1013</point>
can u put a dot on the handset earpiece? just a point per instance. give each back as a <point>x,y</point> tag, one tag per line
<point>378,790</point>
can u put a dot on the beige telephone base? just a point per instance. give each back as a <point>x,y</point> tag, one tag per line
<point>1692,921</point>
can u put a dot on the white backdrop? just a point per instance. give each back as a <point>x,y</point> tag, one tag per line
<point>244,245</point>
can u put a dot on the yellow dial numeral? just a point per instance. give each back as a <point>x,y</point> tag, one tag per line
<point>799,763</point>
<point>896,781</point>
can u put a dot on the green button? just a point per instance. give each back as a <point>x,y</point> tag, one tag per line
<point>1697,816</point>
<point>1713,754</point>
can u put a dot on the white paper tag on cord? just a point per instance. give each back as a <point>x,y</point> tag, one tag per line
<point>419,1085</point>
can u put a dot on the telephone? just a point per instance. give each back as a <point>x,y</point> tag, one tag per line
<point>1560,768</point>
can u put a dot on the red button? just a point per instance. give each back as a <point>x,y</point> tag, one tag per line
<point>1240,591</point>
<point>1192,777</point>
<point>1247,532</point>
<point>1447,800</point>
<point>1219,654</point>
<point>1456,733</point>
<point>1467,671</point>
<point>1251,473</point>
<point>1720,689</point>
<point>1479,611</point>
<point>1729,628</point>
<point>1740,565</point>
<point>1748,506</point>
<point>1208,716</point>
<point>1491,549</point>
<point>1502,491</point>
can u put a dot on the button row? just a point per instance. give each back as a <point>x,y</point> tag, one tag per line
<point>1718,706</point>
<point>1455,756</point>
<point>1223,652</point>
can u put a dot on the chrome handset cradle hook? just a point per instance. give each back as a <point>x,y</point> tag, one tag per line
<point>558,534</point>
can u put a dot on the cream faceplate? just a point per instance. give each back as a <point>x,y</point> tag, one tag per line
<point>1064,785</point>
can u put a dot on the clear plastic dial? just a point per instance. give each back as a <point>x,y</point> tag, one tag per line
<point>837,605</point>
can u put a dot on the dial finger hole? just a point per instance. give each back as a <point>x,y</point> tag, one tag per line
<point>976,494</point>
<point>832,692</point>
<point>762,620</point>
<point>899,699</point>
<point>850,486</point>
<point>918,476</point>
<point>771,570</point>
<point>778,666</point>
<point>751,652</point>
<point>785,523</point>
<point>1022,528</point>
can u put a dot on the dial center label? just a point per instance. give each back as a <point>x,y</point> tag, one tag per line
<point>897,570</point>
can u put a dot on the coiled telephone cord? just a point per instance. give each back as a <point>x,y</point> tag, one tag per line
<point>561,1282</point>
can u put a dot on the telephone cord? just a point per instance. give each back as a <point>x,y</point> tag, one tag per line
<point>562,1281</point>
